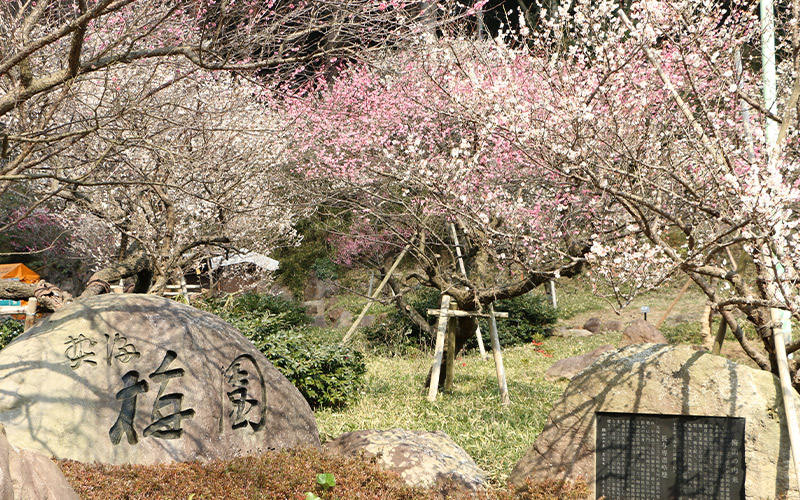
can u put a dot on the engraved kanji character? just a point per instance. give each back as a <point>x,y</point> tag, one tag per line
<point>119,348</point>
<point>167,413</point>
<point>246,395</point>
<point>78,351</point>
<point>127,413</point>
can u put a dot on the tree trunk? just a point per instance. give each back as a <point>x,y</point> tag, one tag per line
<point>136,263</point>
<point>49,296</point>
<point>705,326</point>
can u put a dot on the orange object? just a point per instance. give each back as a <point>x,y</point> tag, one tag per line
<point>19,272</point>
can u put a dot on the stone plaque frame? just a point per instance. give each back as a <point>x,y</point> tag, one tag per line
<point>677,457</point>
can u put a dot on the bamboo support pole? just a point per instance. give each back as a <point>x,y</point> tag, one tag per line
<point>439,347</point>
<point>498,358</point>
<point>30,313</point>
<point>463,269</point>
<point>788,397</point>
<point>374,295</point>
<point>450,364</point>
<point>674,302</point>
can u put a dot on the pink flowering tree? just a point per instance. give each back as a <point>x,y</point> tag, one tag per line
<point>400,151</point>
<point>629,140</point>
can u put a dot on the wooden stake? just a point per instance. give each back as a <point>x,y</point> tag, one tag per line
<point>30,313</point>
<point>788,397</point>
<point>671,306</point>
<point>374,295</point>
<point>449,367</point>
<point>439,347</point>
<point>498,358</point>
<point>481,348</point>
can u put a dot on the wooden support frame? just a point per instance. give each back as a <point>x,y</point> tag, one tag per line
<point>30,313</point>
<point>498,358</point>
<point>445,330</point>
<point>374,296</point>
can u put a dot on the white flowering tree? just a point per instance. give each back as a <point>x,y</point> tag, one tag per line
<point>90,122</point>
<point>179,176</point>
<point>655,115</point>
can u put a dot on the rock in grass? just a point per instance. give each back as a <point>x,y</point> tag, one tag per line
<point>594,325</point>
<point>142,379</point>
<point>571,332</point>
<point>669,380</point>
<point>565,369</point>
<point>642,332</point>
<point>424,459</point>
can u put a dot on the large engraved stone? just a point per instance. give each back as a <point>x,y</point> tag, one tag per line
<point>142,379</point>
<point>666,380</point>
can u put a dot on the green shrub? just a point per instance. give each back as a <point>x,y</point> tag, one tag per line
<point>9,330</point>
<point>251,311</point>
<point>327,374</point>
<point>325,268</point>
<point>296,261</point>
<point>531,317</point>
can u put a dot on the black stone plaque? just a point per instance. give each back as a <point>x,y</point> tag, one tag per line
<point>677,457</point>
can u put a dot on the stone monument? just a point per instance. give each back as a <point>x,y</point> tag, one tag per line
<point>673,400</point>
<point>142,379</point>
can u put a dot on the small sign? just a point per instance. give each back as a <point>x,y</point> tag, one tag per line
<point>675,457</point>
<point>645,309</point>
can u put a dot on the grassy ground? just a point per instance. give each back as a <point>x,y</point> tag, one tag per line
<point>494,435</point>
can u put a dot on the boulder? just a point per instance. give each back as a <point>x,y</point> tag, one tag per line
<point>594,325</point>
<point>667,380</point>
<point>642,332</point>
<point>598,325</point>
<point>317,289</point>
<point>344,320</point>
<point>424,459</point>
<point>27,475</point>
<point>142,379</point>
<point>565,369</point>
<point>612,325</point>
<point>281,291</point>
<point>314,307</point>
<point>576,332</point>
<point>368,320</point>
